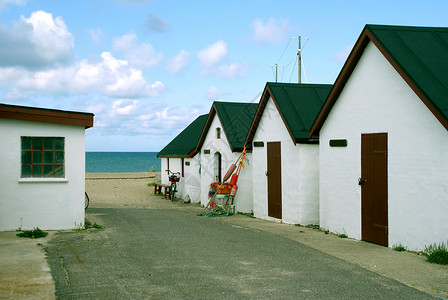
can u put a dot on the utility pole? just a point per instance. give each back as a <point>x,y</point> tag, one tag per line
<point>276,71</point>
<point>276,67</point>
<point>299,55</point>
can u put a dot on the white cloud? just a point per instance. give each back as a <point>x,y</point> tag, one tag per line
<point>271,31</point>
<point>178,62</point>
<point>212,93</point>
<point>110,76</point>
<point>36,42</point>
<point>344,53</point>
<point>97,35</point>
<point>211,59</point>
<point>232,71</point>
<point>124,106</point>
<point>156,24</point>
<point>4,3</point>
<point>139,55</point>
<point>213,54</point>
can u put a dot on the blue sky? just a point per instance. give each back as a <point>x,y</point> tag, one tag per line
<point>147,68</point>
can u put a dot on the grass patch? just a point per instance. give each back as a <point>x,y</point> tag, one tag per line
<point>399,248</point>
<point>312,226</point>
<point>251,214</point>
<point>33,234</point>
<point>437,253</point>
<point>342,235</point>
<point>151,184</point>
<point>88,225</point>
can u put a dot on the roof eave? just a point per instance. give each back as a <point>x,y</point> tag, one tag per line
<point>340,82</point>
<point>368,36</point>
<point>256,120</point>
<point>206,128</point>
<point>46,115</point>
<point>407,78</point>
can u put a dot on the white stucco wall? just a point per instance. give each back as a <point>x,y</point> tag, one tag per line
<point>374,100</point>
<point>192,179</point>
<point>189,186</point>
<point>243,199</point>
<point>300,172</point>
<point>50,203</point>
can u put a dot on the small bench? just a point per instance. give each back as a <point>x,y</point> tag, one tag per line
<point>158,188</point>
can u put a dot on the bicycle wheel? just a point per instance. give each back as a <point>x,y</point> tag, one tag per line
<point>172,190</point>
<point>86,200</point>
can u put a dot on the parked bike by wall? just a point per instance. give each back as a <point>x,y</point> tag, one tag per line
<point>174,178</point>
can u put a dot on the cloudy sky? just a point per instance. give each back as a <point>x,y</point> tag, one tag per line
<point>147,68</point>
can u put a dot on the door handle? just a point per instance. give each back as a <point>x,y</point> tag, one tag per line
<point>361,180</point>
<point>267,173</point>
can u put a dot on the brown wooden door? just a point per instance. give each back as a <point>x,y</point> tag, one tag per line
<point>274,177</point>
<point>374,218</point>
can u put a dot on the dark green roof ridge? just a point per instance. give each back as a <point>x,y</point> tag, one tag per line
<point>421,53</point>
<point>299,105</point>
<point>236,118</point>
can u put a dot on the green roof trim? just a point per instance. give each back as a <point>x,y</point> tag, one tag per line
<point>235,118</point>
<point>421,53</point>
<point>298,104</point>
<point>185,142</point>
<point>418,54</point>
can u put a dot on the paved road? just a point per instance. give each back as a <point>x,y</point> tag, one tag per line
<point>173,254</point>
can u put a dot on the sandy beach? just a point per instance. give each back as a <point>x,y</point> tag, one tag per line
<point>120,189</point>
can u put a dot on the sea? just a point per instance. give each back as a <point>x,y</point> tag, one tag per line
<point>118,162</point>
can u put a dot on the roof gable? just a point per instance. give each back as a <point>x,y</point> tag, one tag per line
<point>46,115</point>
<point>184,144</point>
<point>235,117</point>
<point>298,105</point>
<point>418,54</point>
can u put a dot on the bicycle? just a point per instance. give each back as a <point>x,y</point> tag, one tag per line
<point>174,178</point>
<point>86,200</point>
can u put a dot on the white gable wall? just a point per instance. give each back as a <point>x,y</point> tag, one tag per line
<point>44,203</point>
<point>376,99</point>
<point>192,179</point>
<point>243,199</point>
<point>300,172</point>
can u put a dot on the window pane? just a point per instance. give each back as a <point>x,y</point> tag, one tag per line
<point>37,170</point>
<point>48,143</point>
<point>59,143</point>
<point>59,171</point>
<point>37,157</point>
<point>37,143</point>
<point>48,157</point>
<point>26,143</point>
<point>59,157</point>
<point>42,157</point>
<point>48,170</point>
<point>26,171</point>
<point>26,157</point>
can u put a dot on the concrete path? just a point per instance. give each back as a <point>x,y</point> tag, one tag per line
<point>24,271</point>
<point>166,253</point>
<point>232,257</point>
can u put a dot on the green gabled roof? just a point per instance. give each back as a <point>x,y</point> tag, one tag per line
<point>418,54</point>
<point>298,105</point>
<point>235,118</point>
<point>184,144</point>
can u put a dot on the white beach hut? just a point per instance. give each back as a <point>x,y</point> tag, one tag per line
<point>42,174</point>
<point>285,160</point>
<point>221,143</point>
<point>384,140</point>
<point>180,155</point>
